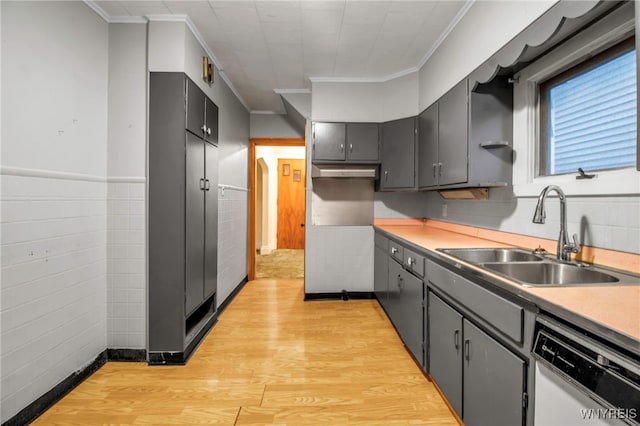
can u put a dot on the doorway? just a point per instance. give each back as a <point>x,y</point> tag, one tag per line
<point>277,198</point>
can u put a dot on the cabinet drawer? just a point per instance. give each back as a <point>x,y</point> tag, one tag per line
<point>396,251</point>
<point>504,315</point>
<point>414,262</point>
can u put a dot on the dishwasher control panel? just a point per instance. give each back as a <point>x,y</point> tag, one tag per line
<point>601,374</point>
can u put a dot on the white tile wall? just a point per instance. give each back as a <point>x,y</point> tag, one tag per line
<point>232,239</point>
<point>126,267</point>
<point>607,222</point>
<point>53,297</point>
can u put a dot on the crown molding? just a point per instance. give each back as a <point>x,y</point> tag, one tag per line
<point>263,112</point>
<point>170,18</point>
<point>294,91</point>
<point>452,24</point>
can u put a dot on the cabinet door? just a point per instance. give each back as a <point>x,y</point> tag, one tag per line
<point>211,221</point>
<point>445,351</point>
<point>410,314</point>
<point>381,275</point>
<point>194,262</point>
<point>329,141</point>
<point>362,142</point>
<point>393,294</point>
<point>428,147</point>
<point>493,381</point>
<point>211,121</point>
<point>195,108</point>
<point>398,150</point>
<point>452,135</point>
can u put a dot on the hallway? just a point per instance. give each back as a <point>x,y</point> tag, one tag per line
<point>270,359</point>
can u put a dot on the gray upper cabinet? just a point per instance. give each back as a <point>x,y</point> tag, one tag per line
<point>351,142</point>
<point>398,154</point>
<point>201,114</point>
<point>465,138</point>
<point>452,135</point>
<point>183,217</point>
<point>328,141</point>
<point>363,142</point>
<point>428,147</point>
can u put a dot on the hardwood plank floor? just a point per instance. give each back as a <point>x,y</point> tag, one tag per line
<point>271,359</point>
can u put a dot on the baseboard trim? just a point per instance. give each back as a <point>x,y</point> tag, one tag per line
<point>126,355</point>
<point>343,295</point>
<point>32,411</point>
<point>233,295</point>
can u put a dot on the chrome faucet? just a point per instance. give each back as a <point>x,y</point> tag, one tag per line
<point>565,248</point>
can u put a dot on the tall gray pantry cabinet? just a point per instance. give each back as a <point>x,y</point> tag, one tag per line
<point>183,216</point>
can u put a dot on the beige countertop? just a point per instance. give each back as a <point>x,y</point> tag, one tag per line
<point>614,308</point>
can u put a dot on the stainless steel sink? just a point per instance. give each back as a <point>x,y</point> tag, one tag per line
<point>551,274</point>
<point>529,269</point>
<point>485,255</point>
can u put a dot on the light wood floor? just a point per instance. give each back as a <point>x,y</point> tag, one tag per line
<point>272,359</point>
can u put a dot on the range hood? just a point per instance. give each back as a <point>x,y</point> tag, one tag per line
<point>344,171</point>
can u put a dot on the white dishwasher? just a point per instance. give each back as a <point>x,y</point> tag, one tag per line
<point>581,382</point>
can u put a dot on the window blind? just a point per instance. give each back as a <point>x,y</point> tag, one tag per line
<point>593,118</point>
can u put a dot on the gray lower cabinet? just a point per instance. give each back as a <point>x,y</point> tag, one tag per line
<point>398,170</point>
<point>381,270</point>
<point>405,307</point>
<point>493,381</point>
<point>183,220</point>
<point>483,380</point>
<point>445,349</point>
<point>351,142</point>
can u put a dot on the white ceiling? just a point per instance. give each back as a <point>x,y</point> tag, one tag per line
<point>265,45</point>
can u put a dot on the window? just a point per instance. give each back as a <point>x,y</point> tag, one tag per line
<point>575,107</point>
<point>588,114</point>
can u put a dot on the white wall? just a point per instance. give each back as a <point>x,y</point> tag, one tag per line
<point>271,155</point>
<point>54,166</point>
<point>485,29</point>
<point>127,151</point>
<point>273,126</point>
<point>365,102</point>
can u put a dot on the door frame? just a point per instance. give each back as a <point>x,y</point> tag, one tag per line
<point>253,142</point>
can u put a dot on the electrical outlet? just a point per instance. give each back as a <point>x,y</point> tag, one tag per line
<point>444,210</point>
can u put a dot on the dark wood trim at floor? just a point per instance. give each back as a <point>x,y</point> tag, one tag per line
<point>40,405</point>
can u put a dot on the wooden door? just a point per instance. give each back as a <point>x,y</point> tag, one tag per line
<point>291,203</point>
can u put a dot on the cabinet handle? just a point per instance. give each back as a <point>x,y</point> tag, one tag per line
<point>456,339</point>
<point>466,349</point>
<point>204,128</point>
<point>341,147</point>
<point>435,169</point>
<point>209,131</point>
<point>394,250</point>
<point>207,185</point>
<point>440,169</point>
<point>202,184</point>
<point>350,147</point>
<point>409,261</point>
<point>400,284</point>
<point>386,176</point>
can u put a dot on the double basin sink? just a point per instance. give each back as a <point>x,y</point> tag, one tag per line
<point>531,269</point>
